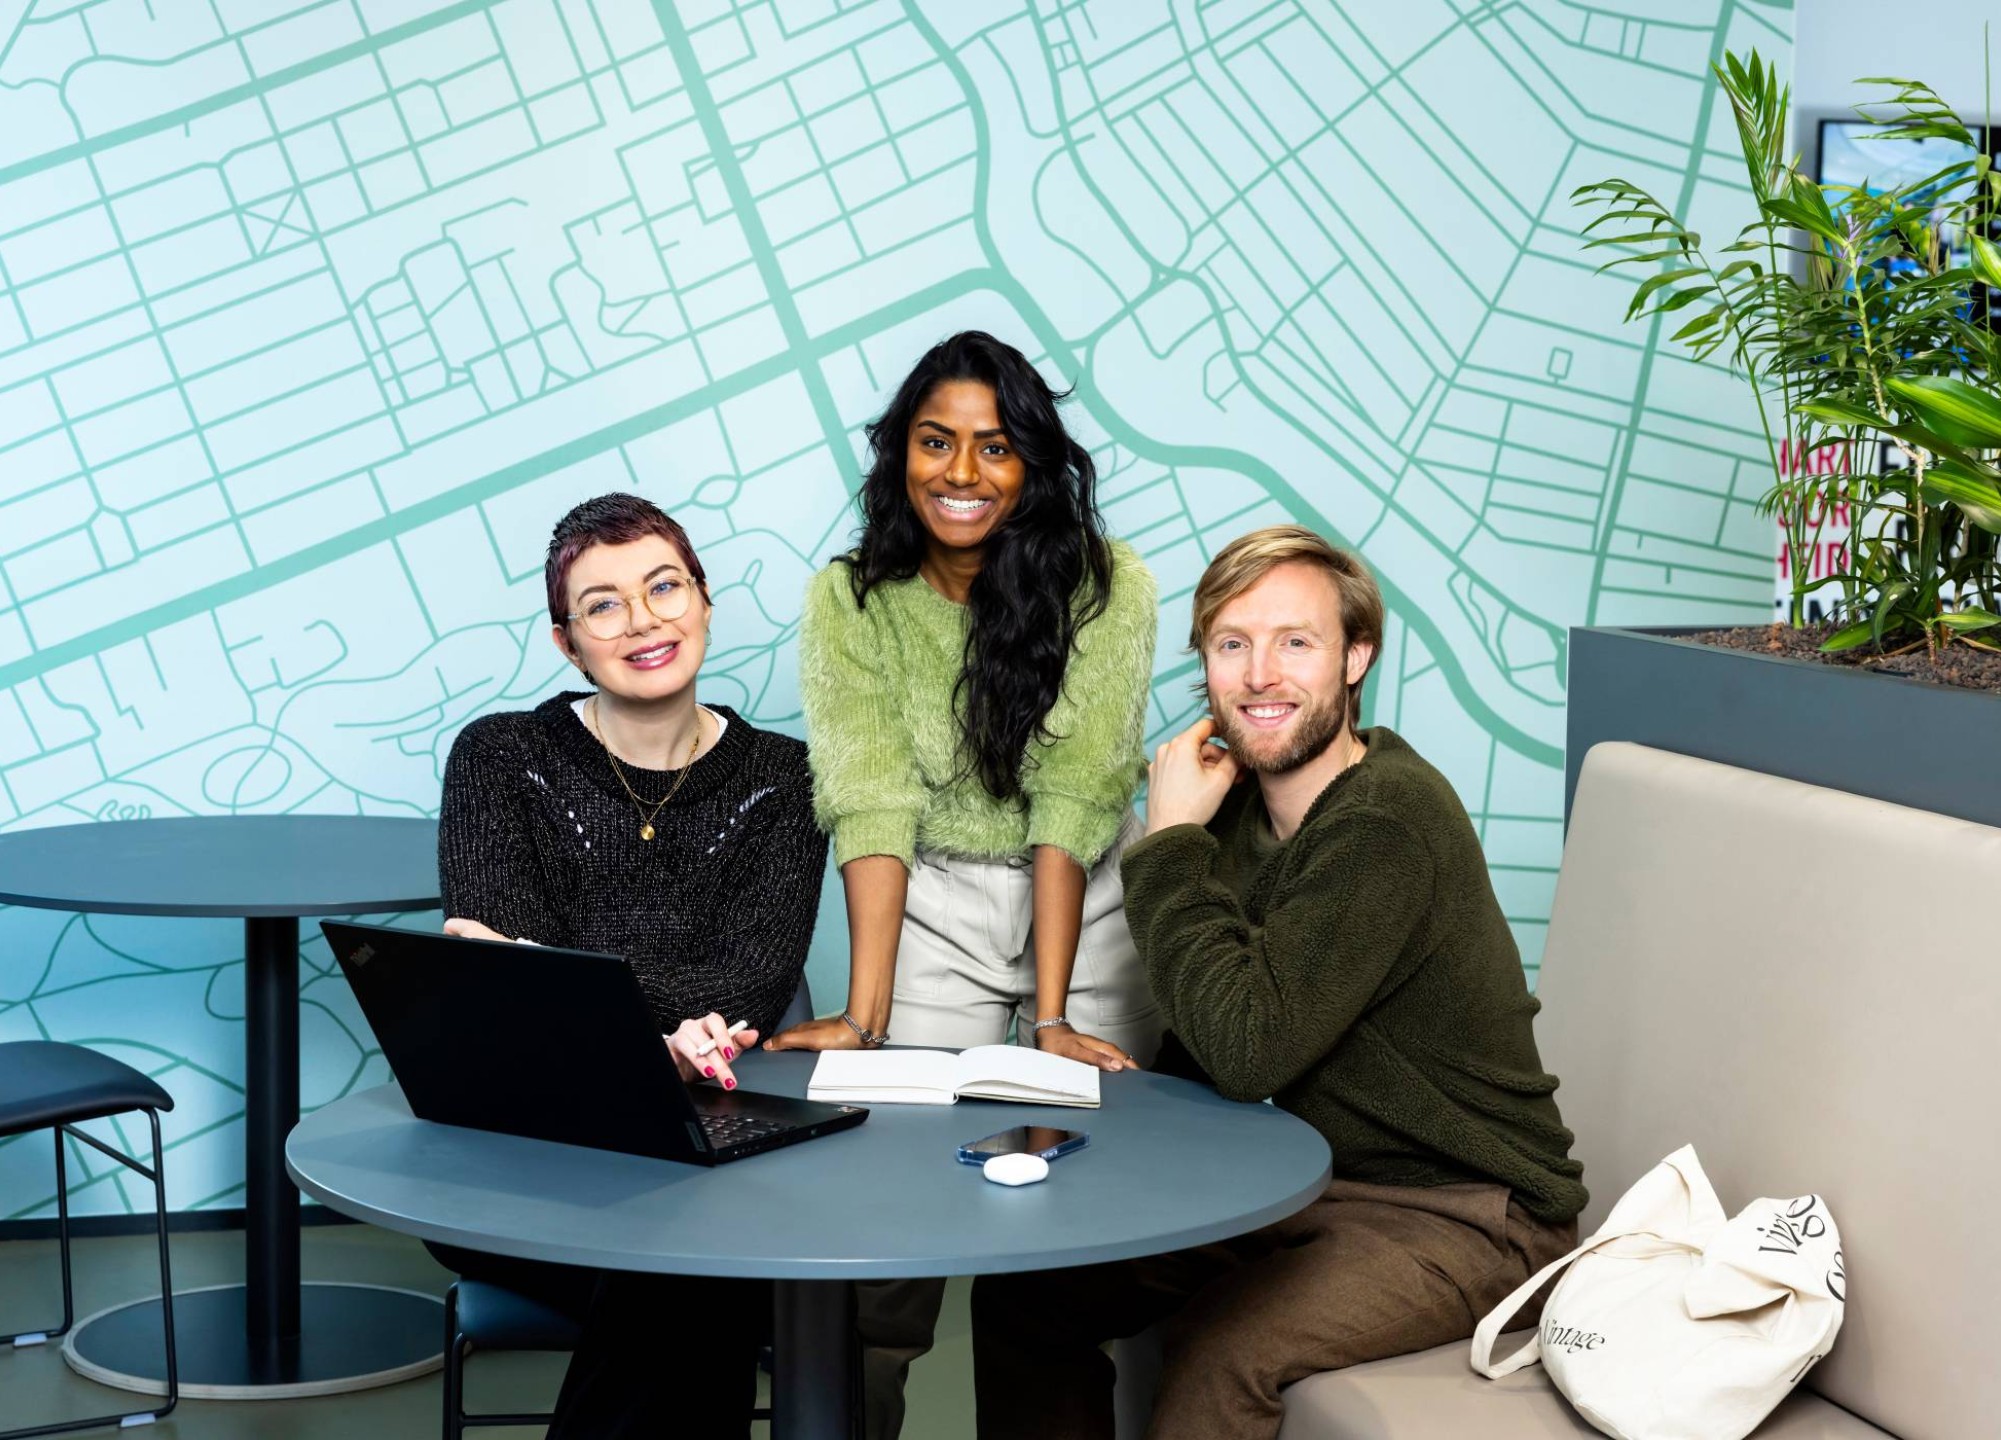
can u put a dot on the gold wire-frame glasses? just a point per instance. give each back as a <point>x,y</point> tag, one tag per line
<point>608,615</point>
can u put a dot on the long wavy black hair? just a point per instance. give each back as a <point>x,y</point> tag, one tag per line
<point>1045,571</point>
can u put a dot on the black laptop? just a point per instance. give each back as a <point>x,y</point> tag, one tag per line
<point>551,1044</point>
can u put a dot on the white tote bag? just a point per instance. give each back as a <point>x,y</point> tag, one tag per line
<point>1676,1324</point>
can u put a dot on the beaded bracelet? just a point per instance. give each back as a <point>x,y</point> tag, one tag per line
<point>869,1038</point>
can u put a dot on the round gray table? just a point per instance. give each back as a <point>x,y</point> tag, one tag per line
<point>1170,1164</point>
<point>269,1337</point>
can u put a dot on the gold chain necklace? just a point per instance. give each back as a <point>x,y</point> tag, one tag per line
<point>646,816</point>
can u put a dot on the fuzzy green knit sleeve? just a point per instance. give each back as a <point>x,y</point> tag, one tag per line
<point>866,789</point>
<point>1081,782</point>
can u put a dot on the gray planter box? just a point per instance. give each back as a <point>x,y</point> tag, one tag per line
<point>1934,747</point>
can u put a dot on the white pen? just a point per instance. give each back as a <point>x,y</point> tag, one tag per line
<point>709,1045</point>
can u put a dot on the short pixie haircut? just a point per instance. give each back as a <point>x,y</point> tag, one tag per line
<point>1249,558</point>
<point>614,519</point>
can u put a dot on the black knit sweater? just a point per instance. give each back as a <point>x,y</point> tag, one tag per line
<point>537,839</point>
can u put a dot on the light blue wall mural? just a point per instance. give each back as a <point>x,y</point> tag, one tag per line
<point>314,314</point>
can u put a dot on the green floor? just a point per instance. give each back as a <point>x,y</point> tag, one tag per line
<point>37,1388</point>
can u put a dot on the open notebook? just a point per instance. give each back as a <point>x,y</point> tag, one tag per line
<point>939,1077</point>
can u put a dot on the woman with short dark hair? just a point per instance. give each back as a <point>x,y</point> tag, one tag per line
<point>975,674</point>
<point>635,821</point>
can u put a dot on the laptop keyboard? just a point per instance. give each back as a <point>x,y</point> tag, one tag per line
<point>725,1131</point>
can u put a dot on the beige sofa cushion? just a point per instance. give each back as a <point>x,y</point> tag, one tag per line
<point>1436,1394</point>
<point>1806,985</point>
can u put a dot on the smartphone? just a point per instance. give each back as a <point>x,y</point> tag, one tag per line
<point>1044,1140</point>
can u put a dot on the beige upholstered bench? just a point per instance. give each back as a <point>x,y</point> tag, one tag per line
<point>1807,986</point>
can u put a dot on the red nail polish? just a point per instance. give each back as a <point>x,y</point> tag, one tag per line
<point>728,1053</point>
<point>710,1071</point>
<point>729,1084</point>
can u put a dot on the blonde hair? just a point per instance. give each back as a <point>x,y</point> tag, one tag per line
<point>1249,558</point>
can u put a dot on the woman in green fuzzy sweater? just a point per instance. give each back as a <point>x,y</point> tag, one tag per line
<point>975,679</point>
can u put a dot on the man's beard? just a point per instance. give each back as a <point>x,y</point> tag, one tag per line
<point>1315,726</point>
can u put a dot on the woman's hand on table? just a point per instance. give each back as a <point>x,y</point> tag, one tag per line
<point>1076,1045</point>
<point>473,930</point>
<point>832,1033</point>
<point>692,1035</point>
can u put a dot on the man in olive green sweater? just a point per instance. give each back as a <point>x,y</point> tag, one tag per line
<point>1316,917</point>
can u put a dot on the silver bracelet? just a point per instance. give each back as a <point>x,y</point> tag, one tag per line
<point>868,1037</point>
<point>1042,1025</point>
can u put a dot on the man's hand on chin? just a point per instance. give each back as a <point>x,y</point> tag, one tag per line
<point>1188,779</point>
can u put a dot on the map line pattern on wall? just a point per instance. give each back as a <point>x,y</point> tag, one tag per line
<point>315,314</point>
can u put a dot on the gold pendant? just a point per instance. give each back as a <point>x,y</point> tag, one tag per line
<point>646,832</point>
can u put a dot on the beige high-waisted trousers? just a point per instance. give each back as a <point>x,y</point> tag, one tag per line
<point>965,970</point>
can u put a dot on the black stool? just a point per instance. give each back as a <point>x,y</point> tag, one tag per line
<point>481,1314</point>
<point>47,1085</point>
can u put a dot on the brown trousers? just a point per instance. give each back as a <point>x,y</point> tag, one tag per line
<point>1363,1273</point>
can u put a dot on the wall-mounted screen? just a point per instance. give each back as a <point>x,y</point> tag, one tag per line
<point>1859,153</point>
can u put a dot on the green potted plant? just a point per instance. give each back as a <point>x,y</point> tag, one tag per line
<point>1860,320</point>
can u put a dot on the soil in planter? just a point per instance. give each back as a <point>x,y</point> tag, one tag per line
<point>1957,664</point>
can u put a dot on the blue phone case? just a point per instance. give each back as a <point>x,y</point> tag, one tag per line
<point>1076,1142</point>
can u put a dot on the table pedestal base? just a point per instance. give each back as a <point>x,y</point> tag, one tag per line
<point>813,1361</point>
<point>351,1337</point>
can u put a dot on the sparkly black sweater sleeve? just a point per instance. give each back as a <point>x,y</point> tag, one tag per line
<point>487,867</point>
<point>759,935</point>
